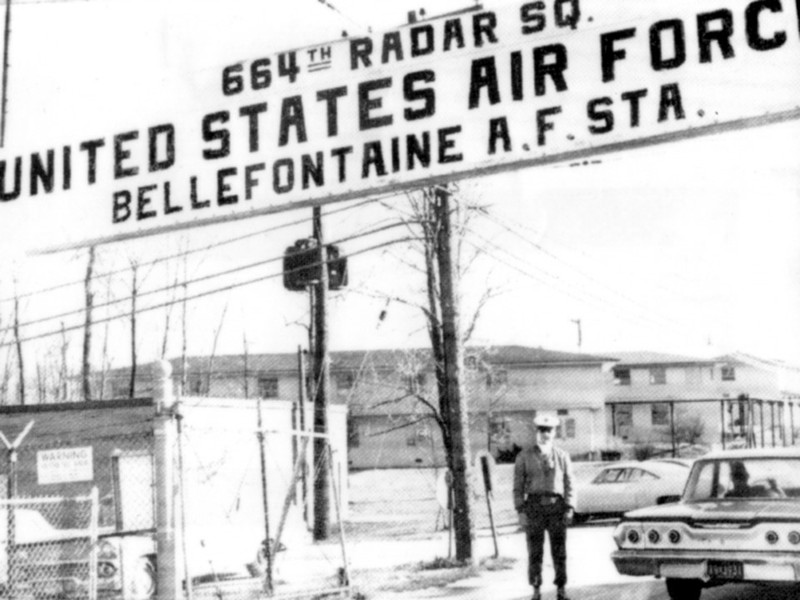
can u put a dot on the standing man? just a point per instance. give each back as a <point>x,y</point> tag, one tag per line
<point>544,496</point>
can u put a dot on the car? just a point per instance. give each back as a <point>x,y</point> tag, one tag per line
<point>738,520</point>
<point>622,486</point>
<point>49,562</point>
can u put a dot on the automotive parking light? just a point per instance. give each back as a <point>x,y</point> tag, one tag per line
<point>633,536</point>
<point>794,538</point>
<point>674,536</point>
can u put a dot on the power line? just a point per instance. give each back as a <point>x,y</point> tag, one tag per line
<point>187,298</point>
<point>187,282</point>
<point>185,252</point>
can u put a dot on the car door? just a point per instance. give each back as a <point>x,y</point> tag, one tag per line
<point>607,491</point>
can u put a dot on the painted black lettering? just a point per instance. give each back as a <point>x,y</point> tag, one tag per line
<point>41,172</point>
<point>143,199</point>
<point>250,181</point>
<point>395,143</point>
<point>287,165</point>
<point>66,166</point>
<point>121,206</point>
<point>5,196</point>
<point>609,54</point>
<point>168,207</point>
<point>567,17</point>
<point>752,16</point>
<point>221,135</point>
<point>555,69</point>
<point>516,75</point>
<point>498,131</point>
<point>168,132</point>
<point>483,74</point>
<point>341,154</point>
<point>373,157</point>
<point>312,169</point>
<point>251,111</point>
<point>223,198</point>
<point>121,154</point>
<point>532,16</point>
<point>670,99</point>
<point>544,124</point>
<point>597,111</point>
<point>447,143</point>
<point>453,33</point>
<point>483,25</point>
<point>360,50</point>
<point>657,60</point>
<point>366,104</point>
<point>421,40</point>
<point>426,94</point>
<point>418,150</point>
<point>90,147</point>
<point>722,36</point>
<point>331,97</point>
<point>292,116</point>
<point>392,44</point>
<point>633,99</point>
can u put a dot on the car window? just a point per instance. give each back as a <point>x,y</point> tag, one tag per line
<point>747,478</point>
<point>609,475</point>
<point>633,474</point>
<point>642,475</point>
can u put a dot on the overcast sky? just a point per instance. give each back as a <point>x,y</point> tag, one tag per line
<point>689,247</point>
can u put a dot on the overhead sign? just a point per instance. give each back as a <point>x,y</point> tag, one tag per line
<point>462,95</point>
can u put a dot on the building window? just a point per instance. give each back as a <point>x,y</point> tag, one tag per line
<point>496,379</point>
<point>728,373</point>
<point>659,414</point>
<point>353,433</point>
<point>622,376</point>
<point>658,376</point>
<point>345,380</point>
<point>268,387</point>
<point>471,362</point>
<point>415,382</point>
<point>565,429</point>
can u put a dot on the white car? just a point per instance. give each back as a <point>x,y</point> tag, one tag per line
<point>54,563</point>
<point>737,521</point>
<point>622,486</point>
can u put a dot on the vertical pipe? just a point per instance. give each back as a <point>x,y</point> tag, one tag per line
<point>722,423</point>
<point>265,499</point>
<point>672,429</point>
<point>6,36</point>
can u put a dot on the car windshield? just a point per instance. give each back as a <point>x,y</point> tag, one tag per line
<point>744,479</point>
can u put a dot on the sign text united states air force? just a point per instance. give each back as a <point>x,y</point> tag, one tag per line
<point>456,96</point>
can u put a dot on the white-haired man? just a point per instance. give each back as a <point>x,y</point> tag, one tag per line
<point>544,496</point>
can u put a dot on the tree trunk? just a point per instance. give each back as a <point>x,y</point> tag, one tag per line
<point>87,330</point>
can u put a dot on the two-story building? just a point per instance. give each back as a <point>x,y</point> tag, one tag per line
<point>679,400</point>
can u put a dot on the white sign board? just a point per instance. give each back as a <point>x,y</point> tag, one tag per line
<point>472,93</point>
<point>64,465</point>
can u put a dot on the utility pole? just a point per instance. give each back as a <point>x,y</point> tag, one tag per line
<point>6,36</point>
<point>580,337</point>
<point>321,386</point>
<point>457,417</point>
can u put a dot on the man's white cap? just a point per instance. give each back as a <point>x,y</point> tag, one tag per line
<point>546,421</point>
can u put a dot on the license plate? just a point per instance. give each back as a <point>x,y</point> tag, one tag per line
<point>725,569</point>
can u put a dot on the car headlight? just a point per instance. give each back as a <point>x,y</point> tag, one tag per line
<point>106,570</point>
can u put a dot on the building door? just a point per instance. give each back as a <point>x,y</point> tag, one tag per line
<point>623,420</point>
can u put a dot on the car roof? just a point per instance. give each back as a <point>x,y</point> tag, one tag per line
<point>753,453</point>
<point>656,466</point>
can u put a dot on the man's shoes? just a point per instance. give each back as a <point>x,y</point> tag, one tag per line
<point>561,594</point>
<point>537,595</point>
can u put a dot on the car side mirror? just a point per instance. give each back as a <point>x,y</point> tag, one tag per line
<point>668,499</point>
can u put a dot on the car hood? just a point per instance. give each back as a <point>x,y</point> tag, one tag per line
<point>737,510</point>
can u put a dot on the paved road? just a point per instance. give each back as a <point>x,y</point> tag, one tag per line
<point>655,590</point>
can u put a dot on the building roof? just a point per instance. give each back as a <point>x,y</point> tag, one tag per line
<point>507,356</point>
<point>645,358</point>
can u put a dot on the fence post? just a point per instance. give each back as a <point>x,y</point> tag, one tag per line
<point>163,445</point>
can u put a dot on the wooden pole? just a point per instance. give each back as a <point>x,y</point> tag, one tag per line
<point>322,384</point>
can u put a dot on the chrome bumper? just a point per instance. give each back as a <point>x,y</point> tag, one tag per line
<point>758,566</point>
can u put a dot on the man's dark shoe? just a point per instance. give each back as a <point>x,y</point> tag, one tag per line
<point>561,594</point>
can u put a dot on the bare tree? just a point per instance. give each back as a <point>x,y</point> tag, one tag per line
<point>87,330</point>
<point>63,376</point>
<point>18,343</point>
<point>134,294</point>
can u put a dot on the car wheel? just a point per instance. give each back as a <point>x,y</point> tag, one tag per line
<point>684,589</point>
<point>143,582</point>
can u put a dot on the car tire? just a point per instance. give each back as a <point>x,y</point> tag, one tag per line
<point>579,518</point>
<point>684,589</point>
